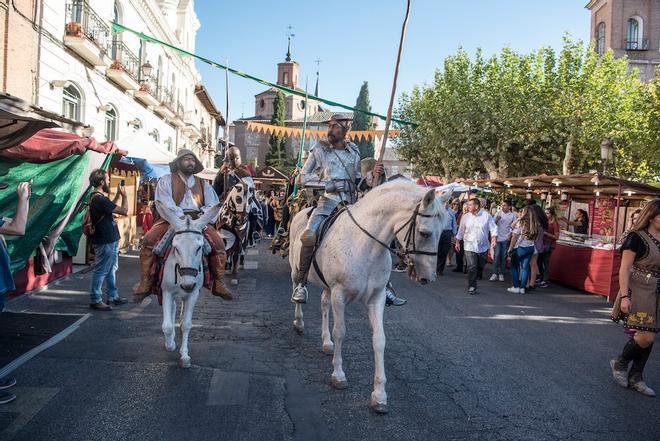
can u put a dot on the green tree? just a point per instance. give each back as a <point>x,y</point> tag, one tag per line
<point>362,121</point>
<point>276,156</point>
<point>525,114</point>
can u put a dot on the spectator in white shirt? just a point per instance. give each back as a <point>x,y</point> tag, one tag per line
<point>503,219</point>
<point>475,227</point>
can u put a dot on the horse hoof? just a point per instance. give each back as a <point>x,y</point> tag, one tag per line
<point>379,407</point>
<point>185,363</point>
<point>329,349</point>
<point>338,384</point>
<point>169,347</point>
<point>298,328</point>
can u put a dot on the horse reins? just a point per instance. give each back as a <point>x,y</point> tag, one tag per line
<point>186,270</point>
<point>411,223</point>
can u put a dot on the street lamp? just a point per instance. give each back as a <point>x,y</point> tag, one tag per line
<point>606,150</point>
<point>146,69</point>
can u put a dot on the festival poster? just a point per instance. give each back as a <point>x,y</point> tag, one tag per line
<point>602,212</point>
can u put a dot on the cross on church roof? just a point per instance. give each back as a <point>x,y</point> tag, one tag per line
<point>289,35</point>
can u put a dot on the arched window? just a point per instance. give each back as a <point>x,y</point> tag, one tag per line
<point>634,35</point>
<point>72,103</point>
<point>285,78</point>
<point>111,124</point>
<point>600,38</point>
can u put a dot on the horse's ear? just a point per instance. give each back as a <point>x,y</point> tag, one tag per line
<point>167,214</point>
<point>444,196</point>
<point>428,199</point>
<point>208,216</point>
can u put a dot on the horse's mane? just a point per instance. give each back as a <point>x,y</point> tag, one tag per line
<point>401,187</point>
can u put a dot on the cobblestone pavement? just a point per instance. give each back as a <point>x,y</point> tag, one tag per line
<point>495,366</point>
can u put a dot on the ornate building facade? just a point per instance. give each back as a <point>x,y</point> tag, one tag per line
<point>114,83</point>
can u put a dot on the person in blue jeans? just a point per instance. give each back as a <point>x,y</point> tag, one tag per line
<point>503,219</point>
<point>16,227</point>
<point>525,232</point>
<point>105,240</point>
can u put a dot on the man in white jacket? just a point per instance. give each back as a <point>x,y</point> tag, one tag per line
<point>475,227</point>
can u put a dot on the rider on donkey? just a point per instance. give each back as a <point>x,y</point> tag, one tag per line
<point>333,165</point>
<point>185,194</point>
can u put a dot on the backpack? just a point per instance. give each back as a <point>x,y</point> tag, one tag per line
<point>89,227</point>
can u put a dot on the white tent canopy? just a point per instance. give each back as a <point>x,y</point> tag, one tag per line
<point>141,145</point>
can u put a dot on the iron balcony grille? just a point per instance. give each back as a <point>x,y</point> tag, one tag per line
<point>148,84</point>
<point>124,59</point>
<point>637,45</point>
<point>82,20</point>
<point>164,95</point>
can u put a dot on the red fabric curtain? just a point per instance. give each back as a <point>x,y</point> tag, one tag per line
<point>50,145</point>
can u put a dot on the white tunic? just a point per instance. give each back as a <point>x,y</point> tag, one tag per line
<point>164,196</point>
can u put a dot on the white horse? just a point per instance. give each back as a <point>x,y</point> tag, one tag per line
<point>355,262</point>
<point>183,274</point>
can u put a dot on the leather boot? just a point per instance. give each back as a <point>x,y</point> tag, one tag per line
<point>146,284</point>
<point>300,278</point>
<point>635,379</point>
<point>217,264</point>
<point>631,351</point>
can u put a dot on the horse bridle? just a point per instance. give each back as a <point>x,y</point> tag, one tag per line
<point>186,270</point>
<point>411,223</point>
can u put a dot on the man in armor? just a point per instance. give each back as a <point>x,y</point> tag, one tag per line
<point>185,194</point>
<point>333,166</point>
<point>231,172</point>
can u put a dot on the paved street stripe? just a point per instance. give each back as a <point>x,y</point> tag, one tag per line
<point>55,339</point>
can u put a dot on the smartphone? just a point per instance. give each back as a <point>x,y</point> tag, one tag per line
<point>122,183</point>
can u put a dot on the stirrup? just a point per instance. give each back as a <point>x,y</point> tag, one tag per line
<point>299,294</point>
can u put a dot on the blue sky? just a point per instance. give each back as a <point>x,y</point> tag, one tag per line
<point>357,40</point>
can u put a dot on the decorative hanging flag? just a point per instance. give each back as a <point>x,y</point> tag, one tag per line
<point>294,132</point>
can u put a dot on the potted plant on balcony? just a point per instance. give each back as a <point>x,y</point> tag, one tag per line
<point>117,64</point>
<point>74,29</point>
<point>145,87</point>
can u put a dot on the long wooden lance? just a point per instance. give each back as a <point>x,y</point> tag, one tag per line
<point>388,118</point>
<point>302,144</point>
<point>226,174</point>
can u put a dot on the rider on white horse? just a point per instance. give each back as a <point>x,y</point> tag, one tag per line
<point>333,165</point>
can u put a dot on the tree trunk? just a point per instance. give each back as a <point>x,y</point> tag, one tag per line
<point>568,156</point>
<point>491,168</point>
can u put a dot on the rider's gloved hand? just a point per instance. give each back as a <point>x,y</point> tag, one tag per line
<point>330,187</point>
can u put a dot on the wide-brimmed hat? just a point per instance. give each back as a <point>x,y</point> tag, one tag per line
<point>174,165</point>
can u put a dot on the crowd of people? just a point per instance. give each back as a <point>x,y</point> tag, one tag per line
<point>521,238</point>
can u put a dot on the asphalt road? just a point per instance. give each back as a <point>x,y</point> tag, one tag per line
<point>495,366</point>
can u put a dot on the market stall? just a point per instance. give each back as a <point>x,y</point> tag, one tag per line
<point>589,262</point>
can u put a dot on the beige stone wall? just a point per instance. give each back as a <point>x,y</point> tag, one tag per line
<point>19,47</point>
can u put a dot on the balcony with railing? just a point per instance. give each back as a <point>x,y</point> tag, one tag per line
<point>148,91</point>
<point>178,115</point>
<point>641,44</point>
<point>165,105</point>
<point>190,127</point>
<point>86,33</point>
<point>125,67</point>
